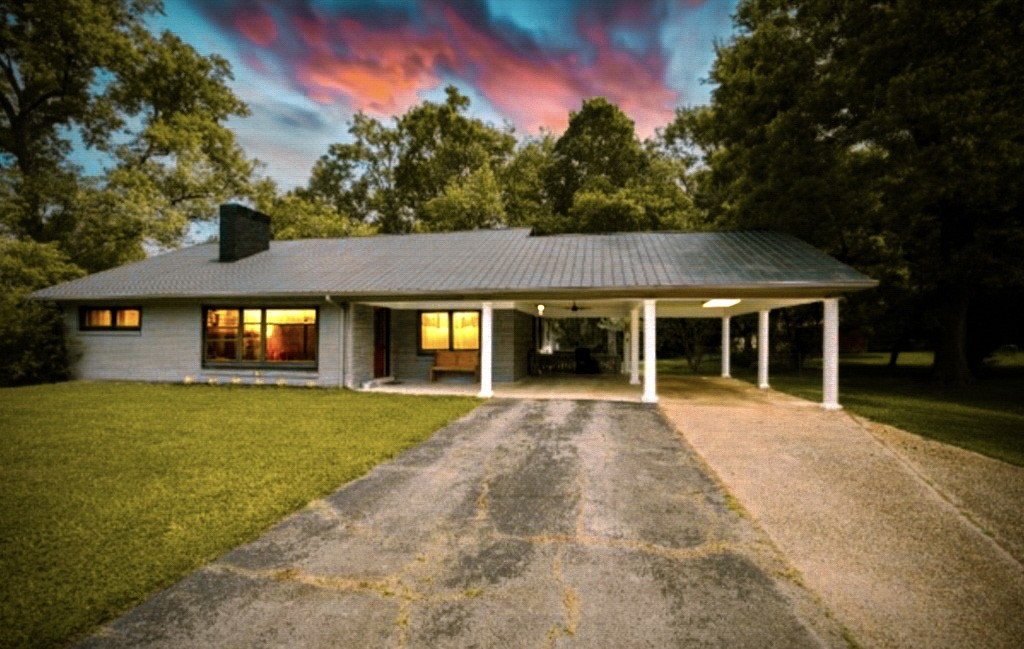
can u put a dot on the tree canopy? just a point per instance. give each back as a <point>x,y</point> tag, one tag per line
<point>888,133</point>
<point>148,106</point>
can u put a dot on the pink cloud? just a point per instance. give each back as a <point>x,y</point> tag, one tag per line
<point>257,26</point>
<point>384,71</point>
<point>385,68</point>
<point>540,92</point>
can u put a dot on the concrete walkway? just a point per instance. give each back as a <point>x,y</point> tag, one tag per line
<point>524,524</point>
<point>909,542</point>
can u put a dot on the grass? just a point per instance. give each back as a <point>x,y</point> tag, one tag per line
<point>109,492</point>
<point>986,417</point>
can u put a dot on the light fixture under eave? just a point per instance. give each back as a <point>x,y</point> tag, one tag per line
<point>720,303</point>
<point>540,310</point>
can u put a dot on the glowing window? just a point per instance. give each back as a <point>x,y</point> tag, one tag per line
<point>273,337</point>
<point>109,319</point>
<point>444,330</point>
<point>434,331</point>
<point>466,332</point>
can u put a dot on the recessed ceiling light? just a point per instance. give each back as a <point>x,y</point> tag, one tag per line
<point>720,303</point>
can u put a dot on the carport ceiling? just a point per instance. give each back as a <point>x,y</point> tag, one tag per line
<point>667,308</point>
<point>607,308</point>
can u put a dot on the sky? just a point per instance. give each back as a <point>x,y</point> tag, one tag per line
<point>305,67</point>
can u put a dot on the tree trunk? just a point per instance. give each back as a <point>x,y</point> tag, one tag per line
<point>895,350</point>
<point>950,367</point>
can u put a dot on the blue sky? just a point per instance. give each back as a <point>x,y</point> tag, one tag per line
<point>304,67</point>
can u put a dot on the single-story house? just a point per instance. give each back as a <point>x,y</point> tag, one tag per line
<point>420,307</point>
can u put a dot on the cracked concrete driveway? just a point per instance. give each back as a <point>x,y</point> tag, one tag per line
<point>524,524</point>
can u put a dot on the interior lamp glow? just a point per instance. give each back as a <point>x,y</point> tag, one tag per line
<point>720,304</point>
<point>540,310</point>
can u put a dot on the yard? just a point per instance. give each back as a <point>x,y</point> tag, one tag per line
<point>986,417</point>
<point>109,492</point>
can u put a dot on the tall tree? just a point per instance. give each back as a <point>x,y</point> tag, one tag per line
<point>522,182</point>
<point>299,215</point>
<point>387,174</point>
<point>150,106</point>
<point>599,151</point>
<point>888,132</point>
<point>442,145</point>
<point>601,178</point>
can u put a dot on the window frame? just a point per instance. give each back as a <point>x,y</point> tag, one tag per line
<point>451,330</point>
<point>262,362</point>
<point>113,326</point>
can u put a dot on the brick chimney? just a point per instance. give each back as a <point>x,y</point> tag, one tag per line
<point>243,232</point>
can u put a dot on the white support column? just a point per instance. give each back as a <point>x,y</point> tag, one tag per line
<point>762,350</point>
<point>650,355</point>
<point>726,348</point>
<point>830,356</point>
<point>634,346</point>
<point>486,349</point>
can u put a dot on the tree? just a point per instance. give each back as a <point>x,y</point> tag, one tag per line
<point>388,174</point>
<point>31,333</point>
<point>358,177</point>
<point>148,106</point>
<point>467,203</point>
<point>598,177</point>
<point>888,133</point>
<point>599,151</point>
<point>152,106</point>
<point>522,181</point>
<point>295,215</point>
<point>441,145</point>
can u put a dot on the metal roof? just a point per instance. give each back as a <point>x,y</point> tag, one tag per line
<point>491,263</point>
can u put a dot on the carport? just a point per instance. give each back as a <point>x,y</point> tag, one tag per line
<point>642,315</point>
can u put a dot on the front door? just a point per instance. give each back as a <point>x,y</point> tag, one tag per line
<point>381,343</point>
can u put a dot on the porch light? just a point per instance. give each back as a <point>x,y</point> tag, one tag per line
<point>540,310</point>
<point>720,304</point>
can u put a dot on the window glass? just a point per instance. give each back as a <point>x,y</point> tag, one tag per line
<point>221,335</point>
<point>251,336</point>
<point>129,318</point>
<point>291,334</point>
<point>434,330</point>
<point>110,318</point>
<point>466,330</point>
<point>98,318</point>
<point>261,335</point>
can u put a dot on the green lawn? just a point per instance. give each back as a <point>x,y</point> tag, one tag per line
<point>109,492</point>
<point>986,417</point>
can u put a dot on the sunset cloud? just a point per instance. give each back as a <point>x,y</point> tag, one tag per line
<point>385,61</point>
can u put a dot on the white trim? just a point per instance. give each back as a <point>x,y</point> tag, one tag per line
<point>762,349</point>
<point>650,354</point>
<point>486,349</point>
<point>634,346</point>
<point>726,348</point>
<point>830,356</point>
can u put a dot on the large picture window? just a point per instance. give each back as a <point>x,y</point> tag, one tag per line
<point>109,318</point>
<point>444,330</point>
<point>260,336</point>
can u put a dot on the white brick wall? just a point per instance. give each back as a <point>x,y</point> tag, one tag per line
<point>168,348</point>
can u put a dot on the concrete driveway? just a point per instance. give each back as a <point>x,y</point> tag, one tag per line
<point>524,524</point>
<point>909,542</point>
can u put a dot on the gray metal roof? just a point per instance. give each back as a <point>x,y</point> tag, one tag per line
<point>493,263</point>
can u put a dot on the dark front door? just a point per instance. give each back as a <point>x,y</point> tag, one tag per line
<point>381,343</point>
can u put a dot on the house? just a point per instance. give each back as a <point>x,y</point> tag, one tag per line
<point>468,306</point>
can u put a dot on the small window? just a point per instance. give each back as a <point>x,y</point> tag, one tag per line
<point>109,318</point>
<point>260,337</point>
<point>445,330</point>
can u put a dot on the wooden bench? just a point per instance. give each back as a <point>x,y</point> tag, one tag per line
<point>461,361</point>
